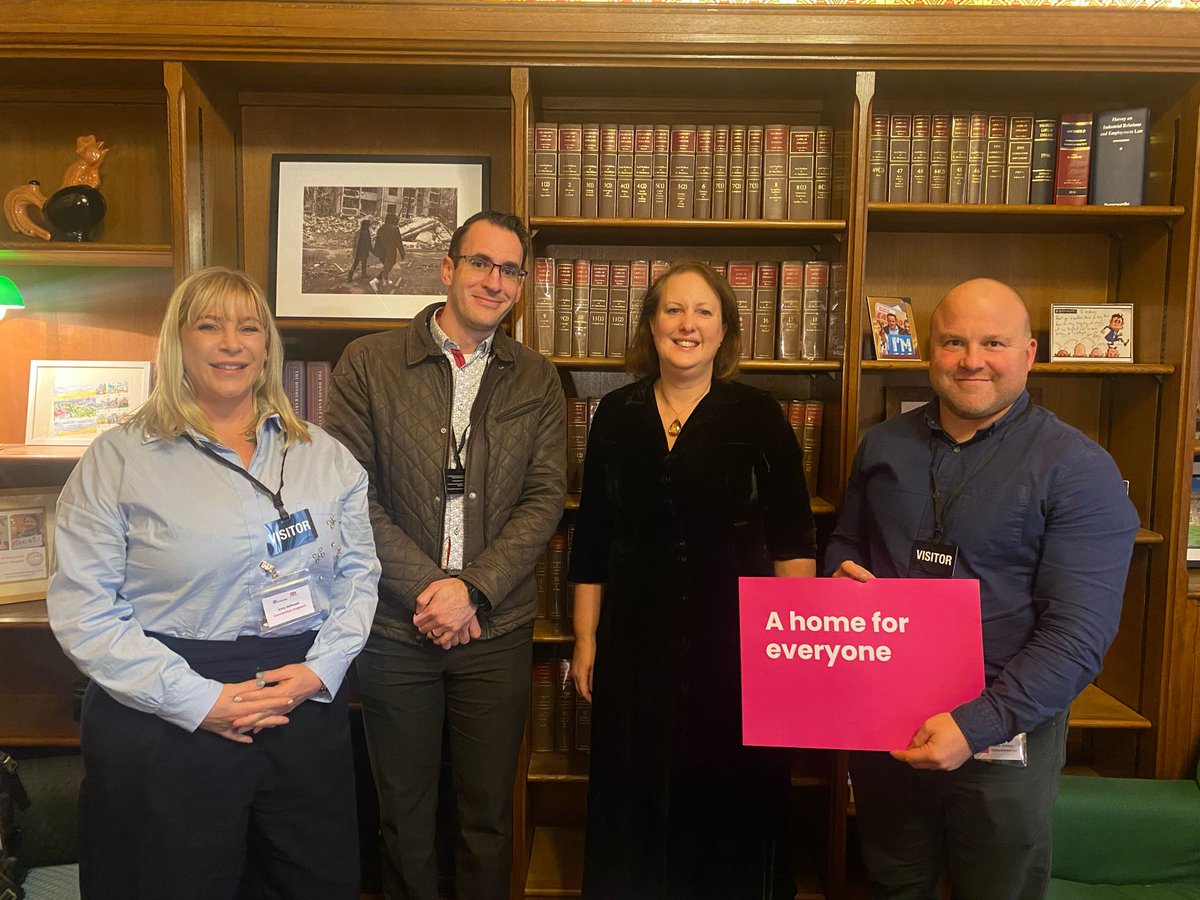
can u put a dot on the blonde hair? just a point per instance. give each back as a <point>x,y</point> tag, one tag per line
<point>171,407</point>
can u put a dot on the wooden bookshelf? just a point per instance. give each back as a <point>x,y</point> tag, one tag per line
<point>123,256</point>
<point>1093,708</point>
<point>1064,369</point>
<point>1026,219</point>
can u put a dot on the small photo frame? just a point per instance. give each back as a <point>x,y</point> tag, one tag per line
<point>899,399</point>
<point>363,237</point>
<point>73,400</point>
<point>893,328</point>
<point>26,542</point>
<point>1091,332</point>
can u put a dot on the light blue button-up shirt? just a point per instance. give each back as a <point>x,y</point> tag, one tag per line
<point>153,535</point>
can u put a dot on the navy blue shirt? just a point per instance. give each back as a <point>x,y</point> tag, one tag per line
<point>1046,526</point>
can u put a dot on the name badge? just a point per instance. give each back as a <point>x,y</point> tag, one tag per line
<point>456,481</point>
<point>294,531</point>
<point>287,601</point>
<point>930,560</point>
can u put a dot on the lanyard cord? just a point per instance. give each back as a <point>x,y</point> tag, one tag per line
<point>276,496</point>
<point>940,508</point>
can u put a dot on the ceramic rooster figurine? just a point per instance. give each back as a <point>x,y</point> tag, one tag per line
<point>85,171</point>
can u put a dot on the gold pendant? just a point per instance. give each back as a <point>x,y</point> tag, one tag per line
<point>674,428</point>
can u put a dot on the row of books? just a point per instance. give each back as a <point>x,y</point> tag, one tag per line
<point>1075,159</point>
<point>307,386</point>
<point>560,720</point>
<point>554,593</point>
<point>794,310</point>
<point>774,172</point>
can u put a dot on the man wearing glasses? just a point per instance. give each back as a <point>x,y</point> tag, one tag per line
<point>462,432</point>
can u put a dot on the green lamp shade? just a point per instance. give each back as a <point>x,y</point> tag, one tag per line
<point>10,295</point>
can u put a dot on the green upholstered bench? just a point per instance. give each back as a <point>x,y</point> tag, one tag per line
<point>1117,838</point>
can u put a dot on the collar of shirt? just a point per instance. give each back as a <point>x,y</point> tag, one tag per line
<point>450,347</point>
<point>933,420</point>
<point>272,422</point>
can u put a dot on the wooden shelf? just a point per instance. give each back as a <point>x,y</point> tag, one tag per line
<point>39,453</point>
<point>554,229</point>
<point>556,865</point>
<point>605,364</point>
<point>130,256</point>
<point>1146,536</point>
<point>1039,368</point>
<point>546,632</point>
<point>559,767</point>
<point>1193,589</point>
<point>1095,709</point>
<point>27,614</point>
<point>819,505</point>
<point>993,218</point>
<point>43,720</point>
<point>364,326</point>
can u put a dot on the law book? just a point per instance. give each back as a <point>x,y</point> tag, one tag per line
<point>720,179</point>
<point>598,310</point>
<point>976,156</point>
<point>639,283</point>
<point>658,267</point>
<point>793,411</point>
<point>659,188</point>
<point>995,158</point>
<point>564,708</point>
<point>556,565</point>
<point>814,321</point>
<point>681,193</point>
<point>899,156</point>
<point>643,171</point>
<point>1119,157</point>
<point>543,305</point>
<point>316,390</point>
<point>736,204</point>
<point>822,192</point>
<point>618,309</point>
<point>718,266</point>
<point>791,304</point>
<point>625,135</point>
<point>802,145</point>
<point>835,337</point>
<point>918,178</point>
<point>583,724</point>
<point>1072,168</point>
<point>576,450</point>
<point>704,172</point>
<point>877,158</point>
<point>570,169</point>
<point>539,578</point>
<point>581,297</point>
<point>541,707</point>
<point>754,171</point>
<point>740,276</point>
<point>564,306</point>
<point>1045,149</point>
<point>766,304</point>
<point>810,443</point>
<point>608,172</point>
<point>939,158</point>
<point>545,169</point>
<point>295,385</point>
<point>960,151</point>
<point>1019,168</point>
<point>775,172</point>
<point>589,184</point>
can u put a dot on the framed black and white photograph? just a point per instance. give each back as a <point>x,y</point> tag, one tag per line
<point>362,237</point>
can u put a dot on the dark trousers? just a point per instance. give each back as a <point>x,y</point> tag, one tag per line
<point>987,826</point>
<point>482,691</point>
<point>170,815</point>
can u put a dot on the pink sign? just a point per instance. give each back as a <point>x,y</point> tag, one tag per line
<point>836,663</point>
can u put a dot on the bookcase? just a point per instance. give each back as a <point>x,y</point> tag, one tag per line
<point>194,107</point>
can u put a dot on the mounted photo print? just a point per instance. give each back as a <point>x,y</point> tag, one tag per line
<point>893,328</point>
<point>1097,332</point>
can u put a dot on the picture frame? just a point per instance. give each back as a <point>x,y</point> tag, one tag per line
<point>893,328</point>
<point>1091,332</point>
<point>319,265</point>
<point>26,542</point>
<point>73,400</point>
<point>900,399</point>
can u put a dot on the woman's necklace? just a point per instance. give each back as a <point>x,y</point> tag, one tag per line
<point>676,425</point>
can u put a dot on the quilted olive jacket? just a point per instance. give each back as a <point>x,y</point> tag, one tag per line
<point>389,402</point>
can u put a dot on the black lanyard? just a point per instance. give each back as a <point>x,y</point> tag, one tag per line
<point>276,496</point>
<point>457,446</point>
<point>942,508</point>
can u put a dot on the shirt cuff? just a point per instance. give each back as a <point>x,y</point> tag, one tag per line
<point>980,725</point>
<point>331,674</point>
<point>188,705</point>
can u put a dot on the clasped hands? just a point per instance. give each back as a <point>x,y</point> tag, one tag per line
<point>245,707</point>
<point>445,613</point>
<point>939,745</point>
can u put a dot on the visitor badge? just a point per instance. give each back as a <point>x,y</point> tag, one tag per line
<point>287,600</point>
<point>1010,753</point>
<point>931,559</point>
<point>289,532</point>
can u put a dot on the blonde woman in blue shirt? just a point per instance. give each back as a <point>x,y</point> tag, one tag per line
<point>215,577</point>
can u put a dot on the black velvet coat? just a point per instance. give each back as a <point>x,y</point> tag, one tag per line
<point>677,808</point>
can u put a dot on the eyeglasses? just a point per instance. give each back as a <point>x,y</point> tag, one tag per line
<point>482,266</point>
